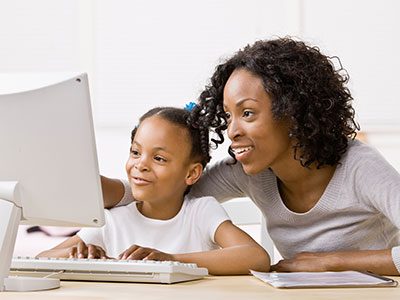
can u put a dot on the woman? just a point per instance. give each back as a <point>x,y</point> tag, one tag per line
<point>331,203</point>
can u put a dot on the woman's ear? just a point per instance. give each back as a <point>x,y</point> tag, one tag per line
<point>194,173</point>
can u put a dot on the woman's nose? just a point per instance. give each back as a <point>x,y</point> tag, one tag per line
<point>234,130</point>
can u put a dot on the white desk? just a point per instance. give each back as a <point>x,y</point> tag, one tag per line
<point>224,287</point>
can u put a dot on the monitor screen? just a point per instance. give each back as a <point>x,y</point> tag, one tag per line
<point>48,162</point>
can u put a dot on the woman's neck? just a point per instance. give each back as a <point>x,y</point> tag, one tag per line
<point>301,188</point>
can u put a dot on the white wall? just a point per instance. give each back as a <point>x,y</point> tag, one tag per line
<point>364,34</point>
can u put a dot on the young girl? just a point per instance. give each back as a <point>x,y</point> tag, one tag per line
<point>167,156</point>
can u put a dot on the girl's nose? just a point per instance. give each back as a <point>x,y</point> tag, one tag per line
<point>141,164</point>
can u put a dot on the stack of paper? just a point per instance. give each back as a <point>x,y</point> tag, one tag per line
<point>324,279</point>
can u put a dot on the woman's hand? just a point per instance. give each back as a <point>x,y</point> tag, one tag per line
<point>81,250</point>
<point>375,261</point>
<point>136,252</point>
<point>306,262</point>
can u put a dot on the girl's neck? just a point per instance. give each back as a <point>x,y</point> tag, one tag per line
<point>164,210</point>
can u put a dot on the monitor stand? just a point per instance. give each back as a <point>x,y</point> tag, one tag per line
<point>10,216</point>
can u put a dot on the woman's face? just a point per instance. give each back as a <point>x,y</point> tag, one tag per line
<point>258,140</point>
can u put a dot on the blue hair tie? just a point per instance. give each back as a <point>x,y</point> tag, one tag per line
<point>189,106</point>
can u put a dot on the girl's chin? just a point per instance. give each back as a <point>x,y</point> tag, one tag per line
<point>139,197</point>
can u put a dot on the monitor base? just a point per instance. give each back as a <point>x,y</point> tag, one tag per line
<point>28,284</point>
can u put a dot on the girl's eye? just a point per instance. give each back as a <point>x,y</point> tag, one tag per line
<point>160,159</point>
<point>135,153</point>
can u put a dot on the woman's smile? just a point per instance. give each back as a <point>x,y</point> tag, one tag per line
<point>242,153</point>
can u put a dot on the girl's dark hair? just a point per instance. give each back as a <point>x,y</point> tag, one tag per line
<point>305,89</point>
<point>198,137</point>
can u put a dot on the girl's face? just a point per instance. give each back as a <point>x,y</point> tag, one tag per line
<point>159,167</point>
<point>258,140</point>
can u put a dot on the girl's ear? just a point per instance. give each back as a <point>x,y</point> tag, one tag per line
<point>194,173</point>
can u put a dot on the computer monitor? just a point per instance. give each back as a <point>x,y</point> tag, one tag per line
<point>49,172</point>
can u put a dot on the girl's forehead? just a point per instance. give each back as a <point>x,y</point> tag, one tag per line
<point>157,130</point>
<point>161,124</point>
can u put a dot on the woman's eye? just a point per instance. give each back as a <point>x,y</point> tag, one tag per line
<point>227,116</point>
<point>247,113</point>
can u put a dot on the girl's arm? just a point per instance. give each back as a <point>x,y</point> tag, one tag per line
<point>74,247</point>
<point>239,253</point>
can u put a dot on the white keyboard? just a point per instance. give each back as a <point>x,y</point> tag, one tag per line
<point>107,269</point>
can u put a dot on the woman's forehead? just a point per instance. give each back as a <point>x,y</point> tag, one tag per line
<point>242,83</point>
<point>243,88</point>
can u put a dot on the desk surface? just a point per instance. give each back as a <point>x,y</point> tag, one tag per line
<point>223,287</point>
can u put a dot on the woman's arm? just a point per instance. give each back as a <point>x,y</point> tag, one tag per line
<point>223,181</point>
<point>375,261</point>
<point>113,191</point>
<point>74,247</point>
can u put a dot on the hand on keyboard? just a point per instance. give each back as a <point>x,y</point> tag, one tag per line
<point>136,252</point>
<point>81,250</point>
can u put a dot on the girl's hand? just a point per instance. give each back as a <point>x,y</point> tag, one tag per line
<point>81,250</point>
<point>136,252</point>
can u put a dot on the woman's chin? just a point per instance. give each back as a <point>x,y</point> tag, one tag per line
<point>253,169</point>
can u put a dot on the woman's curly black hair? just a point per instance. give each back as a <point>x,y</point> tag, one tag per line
<point>305,89</point>
<point>198,137</point>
